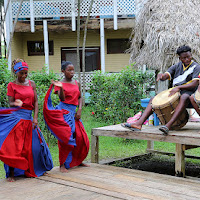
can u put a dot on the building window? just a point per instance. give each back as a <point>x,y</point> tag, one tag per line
<point>117,45</point>
<point>36,48</point>
<point>92,57</point>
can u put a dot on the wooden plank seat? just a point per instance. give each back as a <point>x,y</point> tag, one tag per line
<point>186,138</point>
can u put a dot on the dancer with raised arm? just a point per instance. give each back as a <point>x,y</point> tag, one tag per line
<point>64,121</point>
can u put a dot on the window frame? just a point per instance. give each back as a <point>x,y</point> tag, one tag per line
<point>41,53</point>
<point>119,50</point>
<point>87,49</point>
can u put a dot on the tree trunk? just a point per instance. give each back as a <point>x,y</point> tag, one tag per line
<point>78,41</point>
<point>83,51</point>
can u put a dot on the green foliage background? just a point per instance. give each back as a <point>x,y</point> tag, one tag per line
<point>117,96</point>
<point>114,97</point>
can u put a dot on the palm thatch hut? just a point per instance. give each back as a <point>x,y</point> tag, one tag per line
<point>161,27</point>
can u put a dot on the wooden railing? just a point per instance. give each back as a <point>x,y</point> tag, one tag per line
<point>63,8</point>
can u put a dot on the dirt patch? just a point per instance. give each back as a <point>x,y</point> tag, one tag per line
<point>161,164</point>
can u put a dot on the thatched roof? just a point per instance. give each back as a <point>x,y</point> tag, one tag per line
<point>161,27</point>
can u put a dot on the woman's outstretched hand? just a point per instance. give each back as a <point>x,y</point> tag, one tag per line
<point>57,83</point>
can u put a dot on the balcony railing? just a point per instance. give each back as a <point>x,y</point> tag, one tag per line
<point>63,8</point>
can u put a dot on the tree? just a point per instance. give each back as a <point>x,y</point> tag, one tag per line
<point>161,27</point>
<point>78,41</point>
<point>83,51</point>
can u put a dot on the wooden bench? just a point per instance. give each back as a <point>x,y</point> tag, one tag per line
<point>186,138</point>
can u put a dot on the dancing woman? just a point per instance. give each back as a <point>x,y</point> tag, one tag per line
<point>64,121</point>
<point>22,146</point>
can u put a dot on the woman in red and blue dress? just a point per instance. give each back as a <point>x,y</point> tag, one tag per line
<point>22,146</point>
<point>64,120</point>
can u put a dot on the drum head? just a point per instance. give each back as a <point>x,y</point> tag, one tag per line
<point>163,98</point>
<point>197,96</point>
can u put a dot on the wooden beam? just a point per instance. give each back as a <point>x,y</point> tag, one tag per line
<point>179,161</point>
<point>187,135</point>
<point>187,147</point>
<point>94,149</point>
<point>66,25</point>
<point>172,154</point>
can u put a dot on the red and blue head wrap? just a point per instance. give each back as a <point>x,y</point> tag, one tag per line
<point>20,66</point>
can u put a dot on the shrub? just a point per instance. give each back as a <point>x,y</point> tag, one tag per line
<point>42,78</point>
<point>43,81</point>
<point>115,97</point>
<point>5,78</point>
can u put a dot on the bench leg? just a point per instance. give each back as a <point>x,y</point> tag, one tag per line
<point>180,161</point>
<point>94,149</point>
<point>150,145</point>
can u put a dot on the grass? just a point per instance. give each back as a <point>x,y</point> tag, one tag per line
<point>109,147</point>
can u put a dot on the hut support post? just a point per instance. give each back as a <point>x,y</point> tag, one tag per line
<point>102,45</point>
<point>115,14</point>
<point>73,16</point>
<point>32,16</point>
<point>8,31</point>
<point>46,45</point>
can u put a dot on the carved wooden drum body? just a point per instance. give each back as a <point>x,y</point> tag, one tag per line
<point>164,106</point>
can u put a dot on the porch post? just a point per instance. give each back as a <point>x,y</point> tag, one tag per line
<point>102,45</point>
<point>8,30</point>
<point>46,44</point>
<point>73,16</point>
<point>115,14</point>
<point>32,16</point>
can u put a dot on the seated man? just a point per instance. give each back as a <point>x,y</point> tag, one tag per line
<point>185,79</point>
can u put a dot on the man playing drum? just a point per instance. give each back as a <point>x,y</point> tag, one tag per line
<point>185,80</point>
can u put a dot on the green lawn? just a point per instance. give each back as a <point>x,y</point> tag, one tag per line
<point>111,147</point>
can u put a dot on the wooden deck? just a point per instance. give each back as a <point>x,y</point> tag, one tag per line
<point>101,182</point>
<point>185,138</point>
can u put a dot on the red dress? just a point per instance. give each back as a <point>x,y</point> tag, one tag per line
<point>73,141</point>
<point>24,93</point>
<point>71,92</point>
<point>21,146</point>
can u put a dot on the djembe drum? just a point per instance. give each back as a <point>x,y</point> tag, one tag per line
<point>197,97</point>
<point>164,106</point>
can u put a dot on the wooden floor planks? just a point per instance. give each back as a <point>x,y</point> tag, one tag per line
<point>101,182</point>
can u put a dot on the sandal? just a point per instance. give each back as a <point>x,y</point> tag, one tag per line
<point>128,126</point>
<point>164,129</point>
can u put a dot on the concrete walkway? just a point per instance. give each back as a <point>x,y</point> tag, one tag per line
<point>100,182</point>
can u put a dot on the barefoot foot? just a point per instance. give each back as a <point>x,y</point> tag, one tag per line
<point>84,165</point>
<point>45,174</point>
<point>63,169</point>
<point>132,126</point>
<point>10,179</point>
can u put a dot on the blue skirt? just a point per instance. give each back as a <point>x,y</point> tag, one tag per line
<point>21,146</point>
